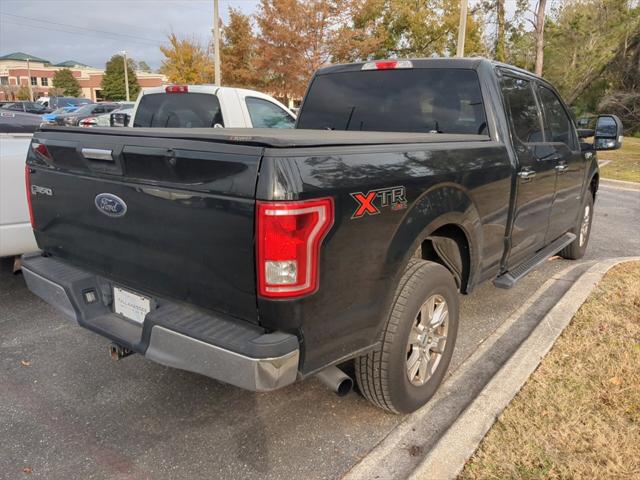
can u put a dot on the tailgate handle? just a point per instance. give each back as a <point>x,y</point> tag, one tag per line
<point>97,154</point>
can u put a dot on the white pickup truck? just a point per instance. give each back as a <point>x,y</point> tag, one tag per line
<point>16,235</point>
<point>174,106</point>
<point>202,106</point>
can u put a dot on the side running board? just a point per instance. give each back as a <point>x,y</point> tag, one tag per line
<point>509,279</point>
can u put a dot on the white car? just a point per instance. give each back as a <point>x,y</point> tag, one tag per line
<point>16,235</point>
<point>203,106</point>
<point>104,120</point>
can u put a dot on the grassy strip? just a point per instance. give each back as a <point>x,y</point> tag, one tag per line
<point>625,163</point>
<point>578,416</point>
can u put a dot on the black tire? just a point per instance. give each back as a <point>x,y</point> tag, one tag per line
<point>576,250</point>
<point>382,374</point>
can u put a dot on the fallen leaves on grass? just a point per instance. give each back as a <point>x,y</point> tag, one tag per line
<point>615,380</point>
<point>578,416</point>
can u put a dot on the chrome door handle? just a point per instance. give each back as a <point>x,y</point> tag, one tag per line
<point>97,154</point>
<point>563,167</point>
<point>526,175</point>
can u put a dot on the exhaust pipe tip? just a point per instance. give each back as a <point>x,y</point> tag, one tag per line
<point>336,380</point>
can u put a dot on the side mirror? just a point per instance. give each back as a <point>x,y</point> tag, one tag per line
<point>119,119</point>
<point>586,132</point>
<point>608,133</point>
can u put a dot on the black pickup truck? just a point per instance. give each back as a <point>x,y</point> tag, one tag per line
<point>259,257</point>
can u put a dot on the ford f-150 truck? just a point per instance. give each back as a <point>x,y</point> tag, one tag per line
<point>260,257</point>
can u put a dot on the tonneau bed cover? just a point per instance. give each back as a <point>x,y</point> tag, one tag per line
<point>280,138</point>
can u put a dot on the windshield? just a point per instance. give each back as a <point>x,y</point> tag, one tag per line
<point>63,102</point>
<point>178,110</point>
<point>84,110</point>
<point>412,100</point>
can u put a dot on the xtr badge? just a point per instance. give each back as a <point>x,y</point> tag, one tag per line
<point>371,202</point>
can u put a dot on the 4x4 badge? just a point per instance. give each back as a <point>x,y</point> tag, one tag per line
<point>371,202</point>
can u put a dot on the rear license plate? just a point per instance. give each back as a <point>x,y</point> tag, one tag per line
<point>130,305</point>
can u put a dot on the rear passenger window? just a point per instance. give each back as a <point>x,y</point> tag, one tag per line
<point>178,110</point>
<point>522,109</point>
<point>557,125</point>
<point>438,100</point>
<point>265,114</point>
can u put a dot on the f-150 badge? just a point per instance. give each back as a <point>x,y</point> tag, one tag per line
<point>371,202</point>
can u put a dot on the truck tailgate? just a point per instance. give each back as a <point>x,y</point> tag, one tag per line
<point>167,216</point>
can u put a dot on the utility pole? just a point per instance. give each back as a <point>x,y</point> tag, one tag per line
<point>29,80</point>
<point>216,44</point>
<point>539,34</point>
<point>126,74</point>
<point>462,28</point>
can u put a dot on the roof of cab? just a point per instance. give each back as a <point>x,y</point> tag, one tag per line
<point>439,62</point>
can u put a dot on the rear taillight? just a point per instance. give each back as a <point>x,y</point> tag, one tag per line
<point>387,65</point>
<point>176,89</point>
<point>88,122</point>
<point>288,238</point>
<point>27,181</point>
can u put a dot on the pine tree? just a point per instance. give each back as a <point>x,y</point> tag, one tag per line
<point>64,80</point>
<point>113,86</point>
<point>143,66</point>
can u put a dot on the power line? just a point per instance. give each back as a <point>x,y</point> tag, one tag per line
<point>49,22</point>
<point>39,27</point>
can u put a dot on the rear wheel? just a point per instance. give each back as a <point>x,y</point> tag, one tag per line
<point>417,342</point>
<point>578,247</point>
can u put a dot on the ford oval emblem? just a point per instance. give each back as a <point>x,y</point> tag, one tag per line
<point>110,205</point>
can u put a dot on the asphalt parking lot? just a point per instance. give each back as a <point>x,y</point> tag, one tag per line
<point>68,411</point>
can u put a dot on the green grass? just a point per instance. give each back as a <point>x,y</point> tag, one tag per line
<point>578,415</point>
<point>625,163</point>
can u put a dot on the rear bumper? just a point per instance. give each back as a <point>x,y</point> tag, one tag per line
<point>226,349</point>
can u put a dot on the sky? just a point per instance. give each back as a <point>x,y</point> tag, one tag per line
<point>90,31</point>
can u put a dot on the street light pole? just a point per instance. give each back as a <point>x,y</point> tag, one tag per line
<point>462,28</point>
<point>29,80</point>
<point>126,74</point>
<point>216,44</point>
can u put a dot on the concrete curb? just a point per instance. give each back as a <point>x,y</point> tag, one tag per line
<point>448,457</point>
<point>620,183</point>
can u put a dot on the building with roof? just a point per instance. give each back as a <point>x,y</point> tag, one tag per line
<point>21,69</point>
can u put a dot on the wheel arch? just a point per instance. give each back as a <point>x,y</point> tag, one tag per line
<point>443,226</point>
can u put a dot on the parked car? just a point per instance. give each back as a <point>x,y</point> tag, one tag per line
<point>261,257</point>
<point>53,103</point>
<point>120,118</point>
<point>51,118</point>
<point>26,107</point>
<point>72,119</point>
<point>104,119</point>
<point>18,122</point>
<point>209,106</point>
